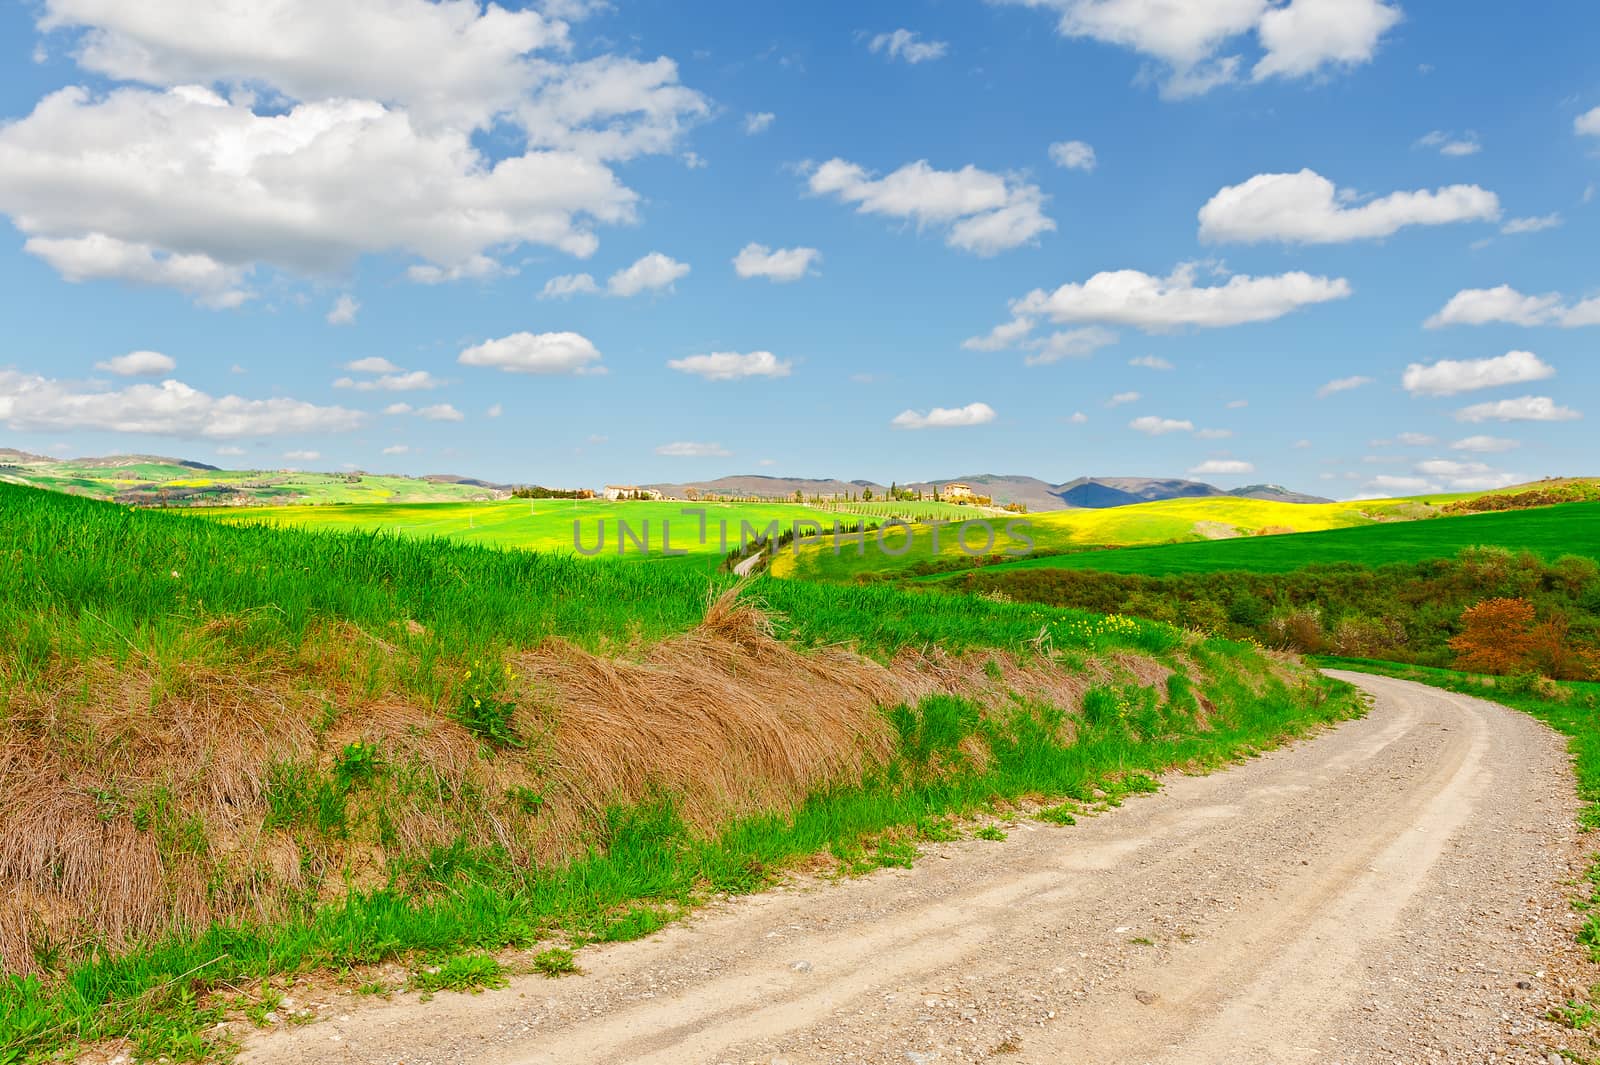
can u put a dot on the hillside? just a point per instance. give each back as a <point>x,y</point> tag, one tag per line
<point>154,480</point>
<point>337,751</point>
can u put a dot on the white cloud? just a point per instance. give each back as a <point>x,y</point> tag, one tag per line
<point>1342,384</point>
<point>1466,476</point>
<point>731,366</point>
<point>688,449</point>
<point>1123,398</point>
<point>945,417</point>
<point>985,213</point>
<point>1485,445</point>
<point>759,122</point>
<point>1479,306</point>
<point>1450,144</point>
<point>1078,418</point>
<point>1223,466</point>
<point>441,412</point>
<point>404,381</point>
<point>1450,377</point>
<point>908,45</point>
<point>292,164</point>
<point>1073,155</point>
<point>1398,485</point>
<point>1523,409</point>
<point>1451,468</point>
<point>780,265</point>
<point>1306,208</point>
<point>398,408</point>
<point>139,364</point>
<point>1237,404</point>
<point>1002,336</point>
<point>568,285</point>
<point>1536,224</point>
<point>652,273</point>
<point>1069,344</point>
<point>397,449</point>
<point>1152,362</point>
<point>29,403</point>
<point>476,267</point>
<point>344,310</point>
<point>494,411</point>
<point>372,364</point>
<point>302,456</point>
<point>1304,36</point>
<point>1213,434</point>
<point>1588,123</point>
<point>1416,439</point>
<point>1157,304</point>
<point>1193,42</point>
<point>537,353</point>
<point>1154,426</point>
<point>97,257</point>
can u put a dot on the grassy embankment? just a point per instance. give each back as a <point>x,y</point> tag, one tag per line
<point>233,756</point>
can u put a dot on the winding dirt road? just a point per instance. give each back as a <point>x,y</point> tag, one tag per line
<point>1394,890</point>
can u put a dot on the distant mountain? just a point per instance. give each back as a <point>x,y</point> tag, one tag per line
<point>115,461</point>
<point>455,478</point>
<point>13,457</point>
<point>1089,493</point>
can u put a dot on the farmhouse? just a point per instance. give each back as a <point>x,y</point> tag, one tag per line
<point>955,491</point>
<point>630,491</point>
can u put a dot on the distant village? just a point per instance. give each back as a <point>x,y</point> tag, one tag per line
<point>953,492</point>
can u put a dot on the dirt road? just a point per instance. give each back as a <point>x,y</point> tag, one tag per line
<point>1394,890</point>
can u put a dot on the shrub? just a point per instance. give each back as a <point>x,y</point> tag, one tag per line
<point>1496,636</point>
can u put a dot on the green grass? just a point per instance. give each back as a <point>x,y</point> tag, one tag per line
<point>1572,528</point>
<point>154,483</point>
<point>163,994</point>
<point>88,584</point>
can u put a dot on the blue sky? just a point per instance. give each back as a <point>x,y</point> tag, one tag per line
<point>1282,196</point>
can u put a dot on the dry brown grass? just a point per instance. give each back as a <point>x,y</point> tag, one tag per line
<point>135,800</point>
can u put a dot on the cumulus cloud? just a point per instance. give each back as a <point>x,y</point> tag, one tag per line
<point>731,366</point>
<point>1154,426</point>
<point>31,403</point>
<point>139,364</point>
<point>1588,123</point>
<point>1306,208</point>
<point>474,267</point>
<point>290,161</point>
<point>1213,434</point>
<point>1450,377</point>
<point>1073,155</point>
<point>1416,439</point>
<point>907,45</point>
<point>1124,398</point>
<point>536,353</point>
<point>775,264</point>
<point>688,449</point>
<point>759,122</point>
<point>982,212</point>
<point>1522,409</point>
<point>1342,384</point>
<point>1005,335</point>
<point>397,449</point>
<point>1481,306</point>
<point>945,417</point>
<point>344,310</point>
<point>372,364</point>
<point>652,273</point>
<point>1160,304</point>
<point>441,412</point>
<point>1193,44</point>
<point>568,285</point>
<point>1223,466</point>
<point>1485,445</point>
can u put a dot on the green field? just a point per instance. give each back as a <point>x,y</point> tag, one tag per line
<point>652,527</point>
<point>1567,529</point>
<point>1206,520</point>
